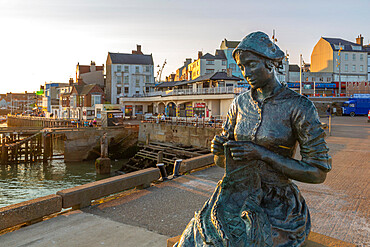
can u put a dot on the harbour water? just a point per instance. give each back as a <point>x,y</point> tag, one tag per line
<point>24,182</point>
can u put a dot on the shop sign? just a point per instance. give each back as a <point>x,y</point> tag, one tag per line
<point>199,105</point>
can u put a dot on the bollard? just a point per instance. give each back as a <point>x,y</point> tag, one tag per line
<point>162,170</point>
<point>176,168</point>
<point>160,157</point>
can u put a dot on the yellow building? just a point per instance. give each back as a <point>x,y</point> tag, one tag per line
<point>340,57</point>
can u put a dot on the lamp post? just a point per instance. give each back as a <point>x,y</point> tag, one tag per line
<point>339,65</point>
<point>300,74</point>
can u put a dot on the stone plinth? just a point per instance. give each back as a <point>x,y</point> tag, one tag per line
<point>102,166</point>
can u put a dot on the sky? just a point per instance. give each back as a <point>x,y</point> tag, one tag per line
<point>43,40</point>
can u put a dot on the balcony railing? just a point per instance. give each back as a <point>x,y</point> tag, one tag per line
<point>199,91</point>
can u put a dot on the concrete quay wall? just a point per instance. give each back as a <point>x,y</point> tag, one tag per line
<point>78,197</point>
<point>187,135</point>
<point>78,144</point>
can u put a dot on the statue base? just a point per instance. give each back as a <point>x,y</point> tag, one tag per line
<point>314,240</point>
<point>102,166</point>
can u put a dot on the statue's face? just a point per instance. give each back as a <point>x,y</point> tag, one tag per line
<point>253,68</point>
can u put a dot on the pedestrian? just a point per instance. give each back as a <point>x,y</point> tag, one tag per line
<point>328,110</point>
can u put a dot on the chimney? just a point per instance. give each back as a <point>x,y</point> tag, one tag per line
<point>92,66</point>
<point>229,72</point>
<point>70,81</point>
<point>360,40</point>
<point>200,54</point>
<point>138,50</point>
<point>187,61</point>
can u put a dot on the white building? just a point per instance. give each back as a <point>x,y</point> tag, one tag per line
<point>128,75</point>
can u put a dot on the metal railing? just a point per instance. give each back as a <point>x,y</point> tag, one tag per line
<point>198,91</point>
<point>215,122</point>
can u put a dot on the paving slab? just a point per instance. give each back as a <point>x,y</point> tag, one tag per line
<point>82,229</point>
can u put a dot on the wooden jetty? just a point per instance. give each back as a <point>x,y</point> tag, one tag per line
<point>158,152</point>
<point>25,148</point>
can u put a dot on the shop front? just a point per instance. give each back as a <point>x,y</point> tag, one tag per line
<point>200,109</point>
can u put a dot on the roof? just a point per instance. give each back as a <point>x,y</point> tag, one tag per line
<point>217,76</point>
<point>167,84</point>
<point>84,89</point>
<point>126,58</point>
<point>86,68</point>
<point>230,44</point>
<point>347,45</point>
<point>293,68</point>
<point>219,55</point>
<point>87,88</point>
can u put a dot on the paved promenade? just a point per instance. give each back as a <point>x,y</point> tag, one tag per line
<point>339,207</point>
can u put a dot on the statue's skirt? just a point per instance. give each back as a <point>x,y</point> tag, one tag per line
<point>251,206</point>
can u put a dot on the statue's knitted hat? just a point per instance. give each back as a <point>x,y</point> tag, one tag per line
<point>260,43</point>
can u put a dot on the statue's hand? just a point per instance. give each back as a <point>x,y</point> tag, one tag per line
<point>245,150</point>
<point>217,146</point>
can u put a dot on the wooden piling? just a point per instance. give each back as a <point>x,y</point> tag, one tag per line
<point>4,153</point>
<point>26,151</point>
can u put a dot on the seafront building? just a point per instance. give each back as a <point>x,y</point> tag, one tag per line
<point>90,74</point>
<point>128,75</point>
<point>348,62</point>
<point>206,96</point>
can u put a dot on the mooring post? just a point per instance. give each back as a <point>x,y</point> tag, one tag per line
<point>160,157</point>
<point>147,139</point>
<point>47,146</point>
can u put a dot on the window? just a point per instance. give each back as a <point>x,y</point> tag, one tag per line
<point>210,62</point>
<point>119,90</point>
<point>346,67</point>
<point>137,80</point>
<point>321,79</point>
<point>353,56</point>
<point>210,71</point>
<point>346,56</point>
<point>223,62</point>
<point>117,100</point>
<point>361,57</point>
<point>353,68</point>
<point>147,68</point>
<point>126,69</point>
<point>147,78</point>
<point>137,69</point>
<point>118,68</point>
<point>126,90</point>
<point>328,79</point>
<point>361,68</point>
<point>126,79</point>
<point>95,99</point>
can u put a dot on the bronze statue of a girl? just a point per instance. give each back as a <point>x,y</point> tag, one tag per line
<point>256,203</point>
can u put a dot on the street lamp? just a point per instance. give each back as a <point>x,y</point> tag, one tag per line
<point>300,73</point>
<point>338,65</point>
